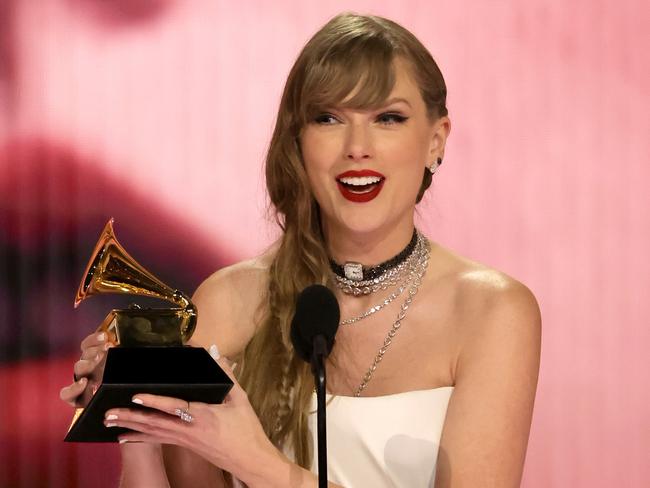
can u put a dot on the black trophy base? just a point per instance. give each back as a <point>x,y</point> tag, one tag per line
<point>188,373</point>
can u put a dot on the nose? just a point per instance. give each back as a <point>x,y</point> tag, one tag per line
<point>358,146</point>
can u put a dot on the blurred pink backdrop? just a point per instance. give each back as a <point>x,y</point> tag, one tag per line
<point>165,109</point>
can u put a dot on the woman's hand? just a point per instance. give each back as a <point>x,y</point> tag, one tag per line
<point>229,435</point>
<point>93,350</point>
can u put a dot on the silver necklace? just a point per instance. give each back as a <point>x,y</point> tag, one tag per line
<point>413,271</point>
<point>383,282</point>
<point>358,272</point>
<point>398,322</point>
<point>389,278</point>
<point>377,308</point>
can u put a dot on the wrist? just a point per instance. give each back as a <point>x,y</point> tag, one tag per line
<point>141,455</point>
<point>267,468</point>
<point>141,450</point>
<point>142,462</point>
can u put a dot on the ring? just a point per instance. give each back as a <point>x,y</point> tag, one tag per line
<point>184,414</point>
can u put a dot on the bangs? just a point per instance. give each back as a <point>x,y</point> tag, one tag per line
<point>357,74</point>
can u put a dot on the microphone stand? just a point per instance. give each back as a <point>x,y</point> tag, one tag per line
<point>318,369</point>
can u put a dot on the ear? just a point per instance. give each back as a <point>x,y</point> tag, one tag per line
<point>439,132</point>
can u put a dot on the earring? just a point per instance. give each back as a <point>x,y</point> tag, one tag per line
<point>434,166</point>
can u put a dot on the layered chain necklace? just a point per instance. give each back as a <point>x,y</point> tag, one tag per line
<point>406,269</point>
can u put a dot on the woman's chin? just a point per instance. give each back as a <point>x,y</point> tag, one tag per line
<point>364,225</point>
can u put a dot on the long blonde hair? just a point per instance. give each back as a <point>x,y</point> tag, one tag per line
<point>350,54</point>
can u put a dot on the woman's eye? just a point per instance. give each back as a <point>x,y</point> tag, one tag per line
<point>390,118</point>
<point>325,119</point>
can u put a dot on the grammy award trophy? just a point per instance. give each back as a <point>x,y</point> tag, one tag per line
<point>150,354</point>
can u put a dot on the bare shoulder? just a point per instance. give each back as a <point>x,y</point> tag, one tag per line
<point>487,303</point>
<point>494,295</point>
<point>230,305</point>
<point>499,329</point>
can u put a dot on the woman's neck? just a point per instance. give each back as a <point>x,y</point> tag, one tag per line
<point>367,248</point>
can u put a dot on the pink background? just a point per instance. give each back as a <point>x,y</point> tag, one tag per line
<point>161,111</point>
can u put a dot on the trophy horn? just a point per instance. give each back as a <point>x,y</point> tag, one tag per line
<point>112,270</point>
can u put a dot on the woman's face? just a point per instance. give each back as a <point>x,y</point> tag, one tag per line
<point>365,167</point>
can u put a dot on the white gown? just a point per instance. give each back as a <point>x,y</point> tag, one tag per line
<point>385,441</point>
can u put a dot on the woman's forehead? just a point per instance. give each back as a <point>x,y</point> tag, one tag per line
<point>405,81</point>
<point>404,90</point>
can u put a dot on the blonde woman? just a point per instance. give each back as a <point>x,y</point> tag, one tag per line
<point>433,374</point>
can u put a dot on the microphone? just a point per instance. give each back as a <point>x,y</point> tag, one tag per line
<point>317,314</point>
<point>313,328</point>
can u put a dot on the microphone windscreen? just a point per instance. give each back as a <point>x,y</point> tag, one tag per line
<point>317,313</point>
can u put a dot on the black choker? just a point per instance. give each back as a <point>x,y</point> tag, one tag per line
<point>357,272</point>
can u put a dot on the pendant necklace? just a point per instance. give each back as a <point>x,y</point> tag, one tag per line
<point>396,325</point>
<point>355,279</point>
<point>414,263</point>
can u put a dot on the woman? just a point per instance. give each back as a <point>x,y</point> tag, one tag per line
<point>435,365</point>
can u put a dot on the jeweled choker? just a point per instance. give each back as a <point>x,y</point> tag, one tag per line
<point>357,272</point>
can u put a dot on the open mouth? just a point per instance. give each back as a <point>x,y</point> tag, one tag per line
<point>360,186</point>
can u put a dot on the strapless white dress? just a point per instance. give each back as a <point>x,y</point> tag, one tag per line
<point>385,441</point>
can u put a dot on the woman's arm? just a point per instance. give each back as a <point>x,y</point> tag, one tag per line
<point>228,435</point>
<point>488,421</point>
<point>219,435</point>
<point>226,303</point>
<point>151,465</point>
<point>184,468</point>
<point>142,466</point>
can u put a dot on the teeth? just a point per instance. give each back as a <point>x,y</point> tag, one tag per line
<point>360,180</point>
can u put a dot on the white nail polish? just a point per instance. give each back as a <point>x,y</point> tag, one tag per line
<point>101,336</point>
<point>111,417</point>
<point>214,352</point>
<point>123,441</point>
<point>111,424</point>
<point>138,401</point>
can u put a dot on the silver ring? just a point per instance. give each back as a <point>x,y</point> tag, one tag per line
<point>184,414</point>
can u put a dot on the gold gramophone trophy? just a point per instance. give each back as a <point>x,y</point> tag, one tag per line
<point>150,356</point>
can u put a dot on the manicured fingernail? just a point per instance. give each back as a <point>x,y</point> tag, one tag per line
<point>101,336</point>
<point>82,381</point>
<point>111,424</point>
<point>233,366</point>
<point>214,352</point>
<point>123,441</point>
<point>138,401</point>
<point>111,417</point>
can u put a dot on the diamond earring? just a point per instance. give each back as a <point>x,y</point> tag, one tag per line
<point>434,166</point>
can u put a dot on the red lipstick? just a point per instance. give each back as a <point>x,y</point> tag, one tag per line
<point>360,193</point>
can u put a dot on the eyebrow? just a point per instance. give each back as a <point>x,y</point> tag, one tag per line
<point>390,101</point>
<point>396,100</point>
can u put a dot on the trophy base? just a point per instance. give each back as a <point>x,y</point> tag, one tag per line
<point>187,373</point>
